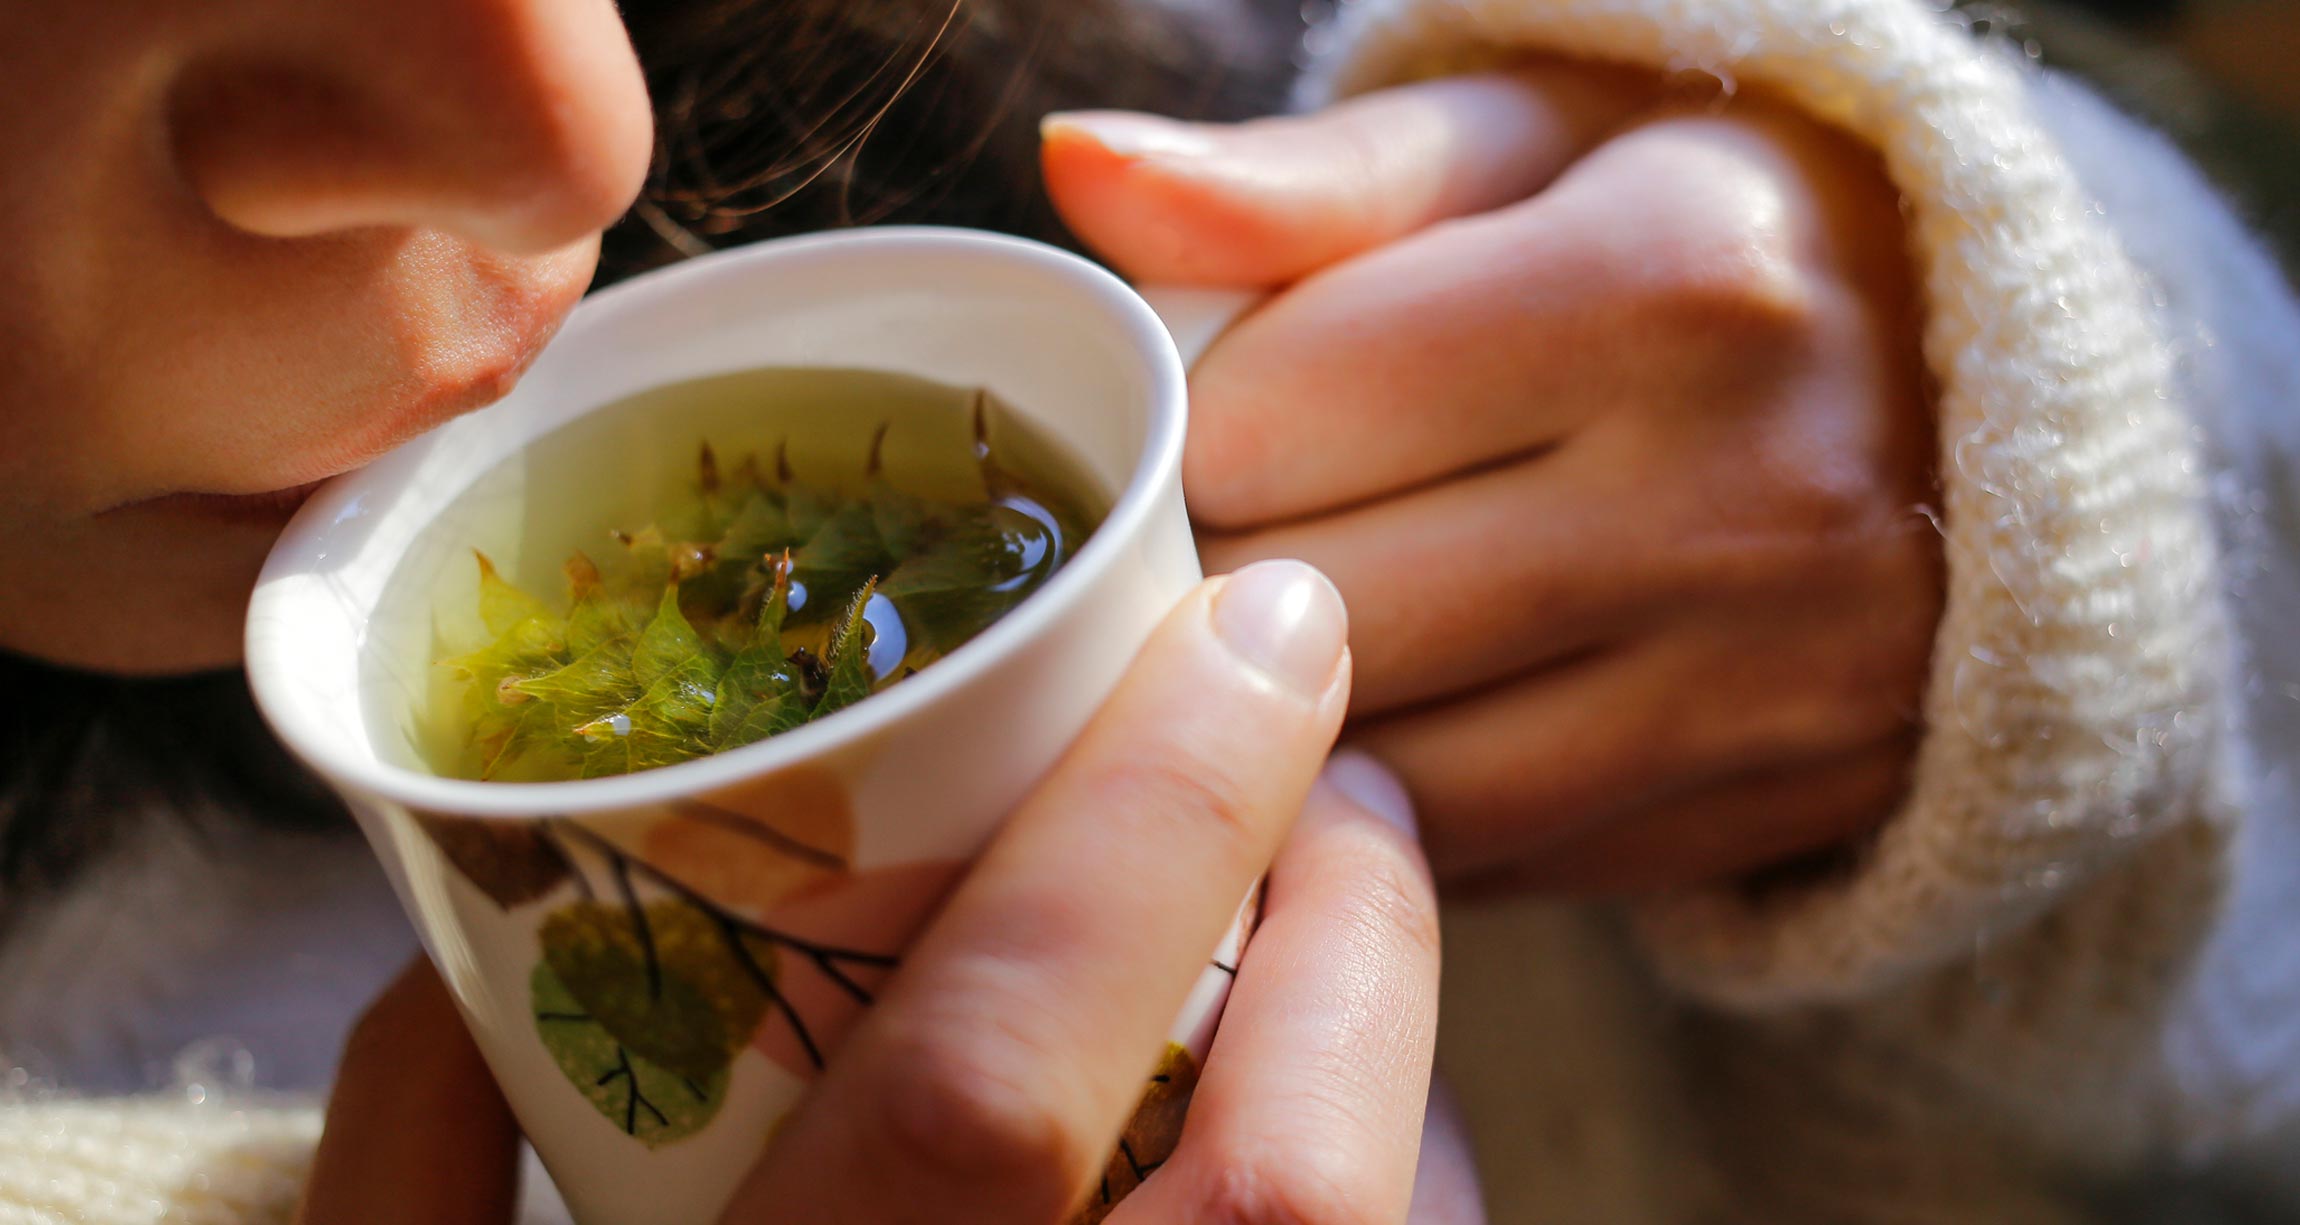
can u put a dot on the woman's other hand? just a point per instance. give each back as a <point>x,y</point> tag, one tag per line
<point>991,1080</point>
<point>1604,408</point>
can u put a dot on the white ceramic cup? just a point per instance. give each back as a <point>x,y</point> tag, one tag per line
<point>817,852</point>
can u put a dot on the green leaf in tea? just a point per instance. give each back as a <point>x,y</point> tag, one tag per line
<point>525,646</point>
<point>756,602</point>
<point>850,672</point>
<point>843,552</point>
<point>501,605</point>
<point>986,559</point>
<point>668,641</point>
<point>759,528</point>
<point>594,685</point>
<point>661,727</point>
<point>761,694</point>
<point>594,616</point>
<point>499,726</point>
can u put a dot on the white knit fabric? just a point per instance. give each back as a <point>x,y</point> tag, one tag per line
<point>2049,972</point>
<point>141,1162</point>
<point>2071,704</point>
<point>2031,975</point>
<point>179,1159</point>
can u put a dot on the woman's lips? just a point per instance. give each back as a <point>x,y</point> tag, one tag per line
<point>492,357</point>
<point>276,506</point>
<point>419,415</point>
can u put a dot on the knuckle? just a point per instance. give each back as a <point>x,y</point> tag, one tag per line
<point>1185,789</point>
<point>1394,902</point>
<point>1726,285</point>
<point>1743,303</point>
<point>1225,459</point>
<point>1835,503</point>
<point>961,1106</point>
<point>1295,1190</point>
<point>1805,508</point>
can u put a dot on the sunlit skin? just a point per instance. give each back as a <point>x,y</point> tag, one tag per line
<point>253,244</point>
<point>1602,404</point>
<point>256,243</point>
<point>988,1081</point>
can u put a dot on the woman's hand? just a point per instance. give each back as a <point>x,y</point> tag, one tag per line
<point>991,1080</point>
<point>1605,411</point>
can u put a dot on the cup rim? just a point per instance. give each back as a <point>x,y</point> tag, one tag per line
<point>301,545</point>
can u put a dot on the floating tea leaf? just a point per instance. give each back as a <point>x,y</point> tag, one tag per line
<point>850,674</point>
<point>501,605</point>
<point>759,601</point>
<point>760,694</point>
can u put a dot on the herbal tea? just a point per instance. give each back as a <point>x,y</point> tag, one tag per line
<point>812,537</point>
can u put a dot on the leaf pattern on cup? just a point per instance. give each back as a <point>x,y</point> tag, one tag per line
<point>679,938</point>
<point>651,1104</point>
<point>512,862</point>
<point>880,908</point>
<point>1150,1135</point>
<point>664,951</point>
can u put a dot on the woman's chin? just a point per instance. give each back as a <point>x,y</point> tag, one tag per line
<point>158,588</point>
<point>268,509</point>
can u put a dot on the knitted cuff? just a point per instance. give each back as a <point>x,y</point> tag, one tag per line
<point>140,1161</point>
<point>2072,696</point>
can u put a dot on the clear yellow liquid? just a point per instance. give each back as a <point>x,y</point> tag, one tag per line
<point>625,466</point>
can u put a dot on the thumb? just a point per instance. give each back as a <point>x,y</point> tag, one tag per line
<point>1261,203</point>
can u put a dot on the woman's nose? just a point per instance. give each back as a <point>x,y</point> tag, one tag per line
<point>521,125</point>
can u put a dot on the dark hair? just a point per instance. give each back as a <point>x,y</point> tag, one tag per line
<point>774,117</point>
<point>784,116</point>
<point>83,755</point>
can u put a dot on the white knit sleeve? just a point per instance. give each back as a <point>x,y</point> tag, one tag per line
<point>142,1161</point>
<point>2075,698</point>
<point>2230,1029</point>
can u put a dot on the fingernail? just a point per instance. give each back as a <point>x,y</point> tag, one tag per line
<point>1370,785</point>
<point>1128,133</point>
<point>1284,618</point>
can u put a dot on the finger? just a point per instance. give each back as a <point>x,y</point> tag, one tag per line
<point>1311,1105</point>
<point>1446,1190</point>
<point>1500,774</point>
<point>1267,202</point>
<point>1508,774</point>
<point>1674,270</point>
<point>1497,573</point>
<point>1486,577</point>
<point>416,1132</point>
<point>1729,827</point>
<point>990,1081</point>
